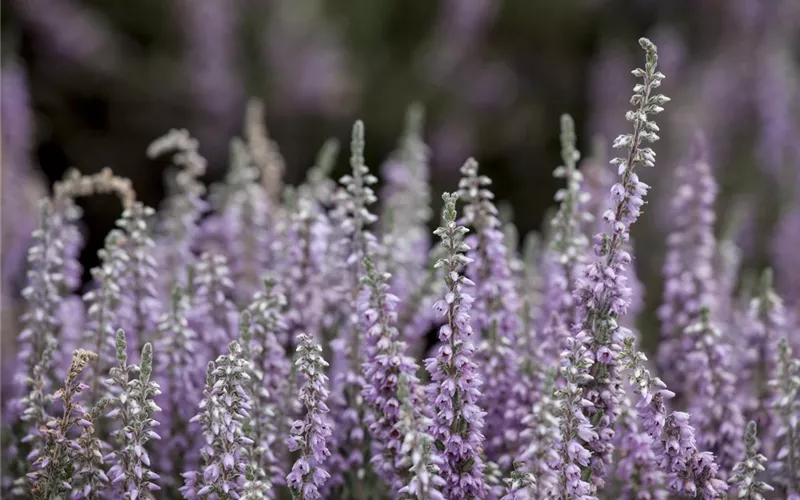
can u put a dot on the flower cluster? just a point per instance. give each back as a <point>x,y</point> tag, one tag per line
<point>535,387</point>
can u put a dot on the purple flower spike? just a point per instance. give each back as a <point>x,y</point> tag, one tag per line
<point>689,267</point>
<point>496,317</point>
<point>604,295</point>
<point>310,434</point>
<point>455,384</point>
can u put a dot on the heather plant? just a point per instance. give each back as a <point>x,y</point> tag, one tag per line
<point>310,312</point>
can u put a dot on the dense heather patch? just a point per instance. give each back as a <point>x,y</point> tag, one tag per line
<point>535,388</point>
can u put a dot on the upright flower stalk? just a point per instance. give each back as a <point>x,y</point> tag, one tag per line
<point>716,404</point>
<point>54,468</point>
<point>271,374</point>
<point>421,458</point>
<point>310,434</point>
<point>134,407</point>
<point>689,472</point>
<point>604,295</point>
<point>455,384</point>
<point>496,317</point>
<point>752,464</point>
<point>387,362</point>
<point>786,388</point>
<point>689,284</point>
<point>568,243</point>
<point>226,407</point>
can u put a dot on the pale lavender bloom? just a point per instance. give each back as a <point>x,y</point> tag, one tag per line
<point>714,399</point>
<point>52,476</point>
<point>91,481</point>
<point>496,317</point>
<point>310,434</point>
<point>542,433</point>
<point>752,464</point>
<point>406,210</point>
<point>271,372</point>
<point>418,452</point>
<point>603,294</point>
<point>519,484</point>
<point>688,471</point>
<point>178,230</point>
<point>637,469</point>
<point>213,312</point>
<point>387,362</point>
<point>141,307</point>
<point>226,407</point>
<point>455,383</point>
<point>786,404</point>
<point>767,323</point>
<point>349,442</point>
<point>577,432</point>
<point>241,226</point>
<point>568,243</point>
<point>689,281</point>
<point>134,406</point>
<point>302,268</point>
<point>181,378</point>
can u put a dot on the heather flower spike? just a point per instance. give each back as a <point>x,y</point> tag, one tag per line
<point>134,406</point>
<point>786,404</point>
<point>604,295</point>
<point>418,450</point>
<point>53,469</point>
<point>568,242</point>
<point>752,464</point>
<point>455,383</point>
<point>226,407</point>
<point>309,435</point>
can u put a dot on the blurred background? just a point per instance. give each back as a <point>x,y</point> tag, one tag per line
<point>89,83</point>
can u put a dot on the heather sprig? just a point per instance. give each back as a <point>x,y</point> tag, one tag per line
<point>455,383</point>
<point>223,413</point>
<point>264,151</point>
<point>752,464</point>
<point>349,444</point>
<point>260,426</point>
<point>141,304</point>
<point>689,472</point>
<point>715,402</point>
<point>496,316</point>
<point>90,473</point>
<point>214,311</point>
<point>603,294</point>
<point>35,405</point>
<point>386,363</point>
<point>786,404</point>
<point>406,195</point>
<point>54,468</point>
<point>183,208</point>
<point>134,406</point>
<point>519,483</point>
<point>418,451</point>
<point>542,433</point>
<point>568,243</point>
<point>576,430</point>
<point>177,369</point>
<point>271,373</point>
<point>309,435</point>
<point>689,284</point>
<point>637,465</point>
<point>767,321</point>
